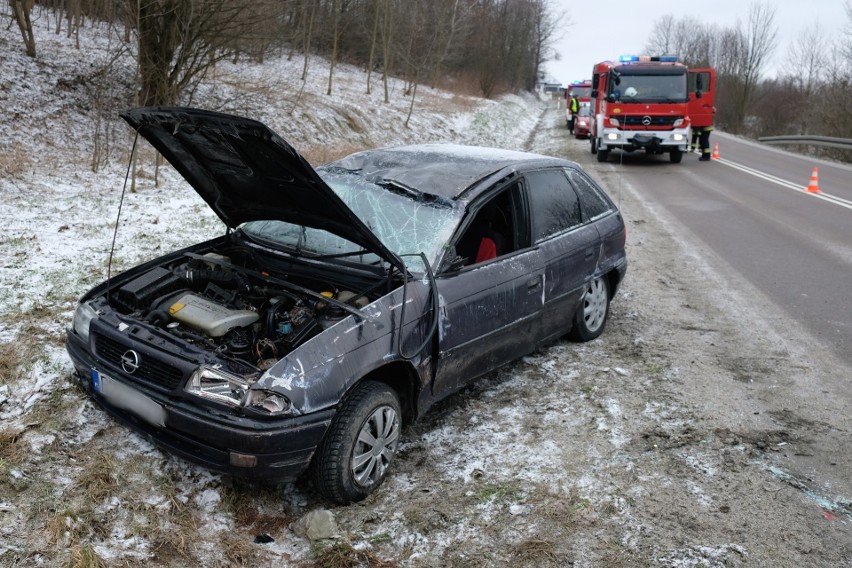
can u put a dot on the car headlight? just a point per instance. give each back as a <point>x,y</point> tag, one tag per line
<point>614,122</point>
<point>678,122</point>
<point>677,137</point>
<point>217,385</point>
<point>83,316</point>
<point>268,401</point>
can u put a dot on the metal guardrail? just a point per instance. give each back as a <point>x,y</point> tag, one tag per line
<point>844,143</point>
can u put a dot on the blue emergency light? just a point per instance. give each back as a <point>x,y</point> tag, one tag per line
<point>644,58</point>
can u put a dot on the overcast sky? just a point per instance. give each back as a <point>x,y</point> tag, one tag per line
<point>602,31</point>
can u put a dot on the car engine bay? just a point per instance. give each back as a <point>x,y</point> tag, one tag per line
<point>224,305</point>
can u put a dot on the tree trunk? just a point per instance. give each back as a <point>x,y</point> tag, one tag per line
<point>21,10</point>
<point>411,106</point>
<point>335,35</point>
<point>307,37</point>
<point>373,46</point>
<point>387,23</point>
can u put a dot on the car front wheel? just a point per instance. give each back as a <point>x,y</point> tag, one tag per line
<point>360,444</point>
<point>591,315</point>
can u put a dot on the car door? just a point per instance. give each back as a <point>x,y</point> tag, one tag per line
<point>569,247</point>
<point>488,310</point>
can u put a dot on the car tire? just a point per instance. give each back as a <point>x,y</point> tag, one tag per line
<point>676,156</point>
<point>593,311</point>
<point>594,144</point>
<point>602,154</point>
<point>359,447</point>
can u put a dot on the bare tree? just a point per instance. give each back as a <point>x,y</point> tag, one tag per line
<point>309,10</point>
<point>846,41</point>
<point>21,11</point>
<point>179,40</point>
<point>663,36</point>
<point>687,38</point>
<point>335,16</point>
<point>806,58</point>
<point>377,13</point>
<point>755,44</point>
<point>387,28</point>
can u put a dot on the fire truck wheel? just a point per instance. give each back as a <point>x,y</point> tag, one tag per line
<point>602,155</point>
<point>675,156</point>
<point>594,143</point>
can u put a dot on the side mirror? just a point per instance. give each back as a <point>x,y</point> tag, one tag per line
<point>698,94</point>
<point>699,83</point>
<point>594,93</point>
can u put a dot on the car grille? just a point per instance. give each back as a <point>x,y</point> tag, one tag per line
<point>655,121</point>
<point>150,370</point>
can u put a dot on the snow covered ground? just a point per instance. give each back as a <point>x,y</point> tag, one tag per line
<point>57,218</point>
<point>620,452</point>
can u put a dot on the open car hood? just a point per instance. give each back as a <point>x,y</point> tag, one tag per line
<point>246,172</point>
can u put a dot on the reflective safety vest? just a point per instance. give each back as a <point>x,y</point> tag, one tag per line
<point>575,105</point>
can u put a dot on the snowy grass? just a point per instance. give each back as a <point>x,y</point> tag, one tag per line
<point>79,490</point>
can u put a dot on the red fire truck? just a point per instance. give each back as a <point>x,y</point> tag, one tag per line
<point>641,102</point>
<point>583,91</point>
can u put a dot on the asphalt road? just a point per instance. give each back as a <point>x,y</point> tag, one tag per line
<point>751,208</point>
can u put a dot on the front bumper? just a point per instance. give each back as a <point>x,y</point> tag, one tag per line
<point>273,450</point>
<point>649,140</point>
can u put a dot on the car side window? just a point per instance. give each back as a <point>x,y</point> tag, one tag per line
<point>554,204</point>
<point>492,232</point>
<point>592,202</point>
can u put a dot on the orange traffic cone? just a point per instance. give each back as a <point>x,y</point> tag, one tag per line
<point>715,155</point>
<point>813,186</point>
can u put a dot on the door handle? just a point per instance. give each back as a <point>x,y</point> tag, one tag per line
<point>590,252</point>
<point>534,283</point>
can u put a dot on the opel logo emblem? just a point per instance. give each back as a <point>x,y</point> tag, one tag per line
<point>130,361</point>
<point>646,120</point>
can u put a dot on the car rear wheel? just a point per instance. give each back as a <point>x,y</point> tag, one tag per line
<point>360,444</point>
<point>591,315</point>
<point>594,144</point>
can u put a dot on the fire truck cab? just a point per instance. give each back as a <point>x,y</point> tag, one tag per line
<point>640,103</point>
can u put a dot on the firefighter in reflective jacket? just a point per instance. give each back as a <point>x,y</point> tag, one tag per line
<point>573,108</point>
<point>701,136</point>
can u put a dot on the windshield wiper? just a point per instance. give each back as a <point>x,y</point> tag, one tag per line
<point>403,189</point>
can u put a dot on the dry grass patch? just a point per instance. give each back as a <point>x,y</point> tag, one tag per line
<point>15,164</point>
<point>15,356</point>
<point>84,556</point>
<point>344,555</point>
<point>12,448</point>
<point>99,480</point>
<point>241,499</point>
<point>536,552</point>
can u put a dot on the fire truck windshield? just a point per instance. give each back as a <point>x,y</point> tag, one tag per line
<point>649,88</point>
<point>580,92</point>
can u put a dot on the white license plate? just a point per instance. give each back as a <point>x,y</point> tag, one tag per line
<point>120,395</point>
